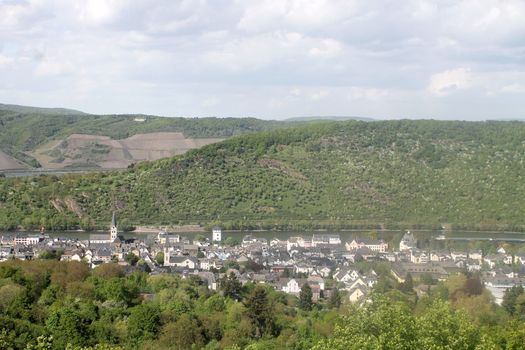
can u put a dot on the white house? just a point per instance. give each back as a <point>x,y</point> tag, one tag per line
<point>292,286</point>
<point>458,256</point>
<point>407,242</point>
<point>72,255</point>
<point>476,255</point>
<point>164,237</point>
<point>318,239</point>
<point>27,240</point>
<point>372,244</point>
<point>303,268</point>
<point>357,294</point>
<point>345,275</point>
<point>183,261</point>
<point>216,234</point>
<point>324,271</point>
<point>294,242</point>
<point>418,257</point>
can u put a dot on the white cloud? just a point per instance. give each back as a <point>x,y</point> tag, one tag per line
<point>265,57</point>
<point>5,60</point>
<point>96,12</point>
<point>264,15</point>
<point>327,48</point>
<point>447,82</point>
<point>53,67</point>
<point>514,88</point>
<point>318,95</point>
<point>370,94</point>
<point>211,101</point>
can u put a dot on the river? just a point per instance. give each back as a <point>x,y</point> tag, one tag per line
<point>426,239</point>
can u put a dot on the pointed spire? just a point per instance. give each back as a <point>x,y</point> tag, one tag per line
<point>113,221</point>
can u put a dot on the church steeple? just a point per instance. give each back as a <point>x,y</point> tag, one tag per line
<point>114,232</point>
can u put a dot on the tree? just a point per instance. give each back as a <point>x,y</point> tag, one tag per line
<point>67,325</point>
<point>510,297</point>
<point>231,287</point>
<point>260,312</point>
<point>108,271</point>
<point>159,258</point>
<point>379,325</point>
<point>143,322</point>
<point>473,286</point>
<point>131,259</point>
<point>335,299</point>
<point>117,289</point>
<point>408,285</point>
<point>305,298</point>
<point>185,333</point>
<point>443,328</point>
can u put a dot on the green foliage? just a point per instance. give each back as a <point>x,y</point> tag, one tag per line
<point>159,258</point>
<point>131,259</point>
<point>334,175</point>
<point>335,299</point>
<point>408,285</point>
<point>385,325</point>
<point>231,287</point>
<point>51,255</point>
<point>260,313</point>
<point>305,298</point>
<point>143,322</point>
<point>43,307</point>
<point>509,299</point>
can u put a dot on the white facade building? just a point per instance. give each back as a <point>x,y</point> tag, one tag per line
<point>407,242</point>
<point>216,234</point>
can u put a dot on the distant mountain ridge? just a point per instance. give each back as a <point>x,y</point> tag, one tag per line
<point>328,118</point>
<point>39,110</point>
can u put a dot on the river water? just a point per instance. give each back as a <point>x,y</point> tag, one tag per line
<point>426,239</point>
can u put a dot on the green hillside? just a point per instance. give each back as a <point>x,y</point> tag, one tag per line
<point>21,132</point>
<point>38,110</point>
<point>333,174</point>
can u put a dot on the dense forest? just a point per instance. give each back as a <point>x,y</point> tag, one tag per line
<point>394,174</point>
<point>21,131</point>
<point>47,304</point>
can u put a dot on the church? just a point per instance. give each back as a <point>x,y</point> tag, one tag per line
<point>102,238</point>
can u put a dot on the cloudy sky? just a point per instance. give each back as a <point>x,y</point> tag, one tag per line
<point>449,59</point>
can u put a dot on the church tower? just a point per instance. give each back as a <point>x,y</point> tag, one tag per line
<point>114,231</point>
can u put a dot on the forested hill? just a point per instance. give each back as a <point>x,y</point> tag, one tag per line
<point>335,174</point>
<point>23,129</point>
<point>38,110</point>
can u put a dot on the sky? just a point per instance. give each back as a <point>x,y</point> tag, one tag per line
<point>272,59</point>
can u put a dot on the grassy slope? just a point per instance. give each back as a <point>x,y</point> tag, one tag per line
<point>344,174</point>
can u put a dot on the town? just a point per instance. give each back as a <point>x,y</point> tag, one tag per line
<point>322,260</point>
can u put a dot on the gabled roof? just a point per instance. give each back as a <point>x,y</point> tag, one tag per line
<point>103,251</point>
<point>177,259</point>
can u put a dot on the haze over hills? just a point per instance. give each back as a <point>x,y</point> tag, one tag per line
<point>38,110</point>
<point>334,175</point>
<point>326,118</point>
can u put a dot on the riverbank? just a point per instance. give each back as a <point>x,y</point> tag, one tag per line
<point>179,228</point>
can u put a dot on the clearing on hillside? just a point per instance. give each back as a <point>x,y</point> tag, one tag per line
<point>80,150</point>
<point>10,163</point>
